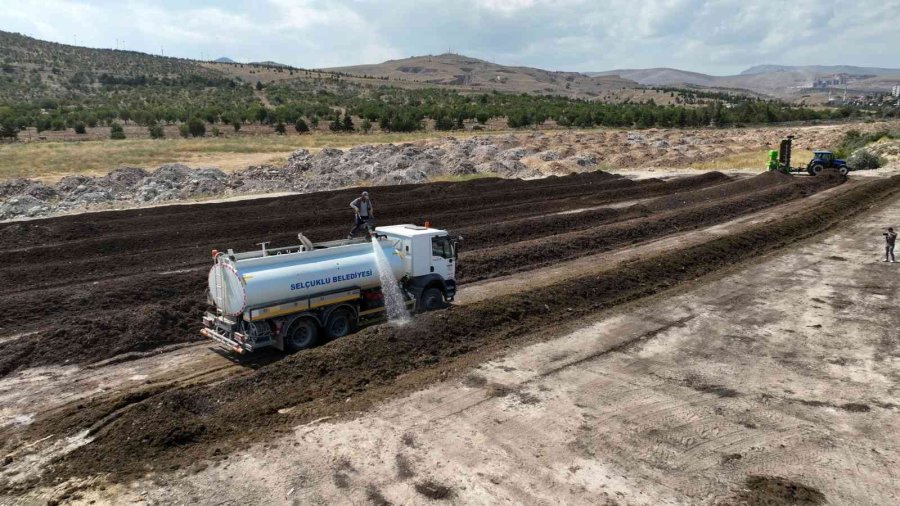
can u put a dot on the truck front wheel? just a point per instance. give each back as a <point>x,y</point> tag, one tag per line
<point>431,299</point>
<point>339,324</point>
<point>301,335</point>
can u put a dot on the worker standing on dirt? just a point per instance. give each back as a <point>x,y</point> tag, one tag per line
<point>890,238</point>
<point>364,210</point>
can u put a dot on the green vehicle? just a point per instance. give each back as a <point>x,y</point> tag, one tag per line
<point>781,160</point>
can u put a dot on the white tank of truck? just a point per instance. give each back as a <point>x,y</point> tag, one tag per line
<point>237,283</point>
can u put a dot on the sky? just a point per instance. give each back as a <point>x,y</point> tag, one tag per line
<point>719,37</point>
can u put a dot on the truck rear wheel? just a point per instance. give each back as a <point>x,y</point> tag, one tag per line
<point>301,335</point>
<point>339,324</point>
<point>431,299</point>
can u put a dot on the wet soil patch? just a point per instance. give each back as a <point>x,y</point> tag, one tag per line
<point>776,491</point>
<point>434,490</point>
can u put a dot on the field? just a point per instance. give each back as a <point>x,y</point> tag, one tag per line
<point>598,320</point>
<point>50,160</point>
<point>703,149</point>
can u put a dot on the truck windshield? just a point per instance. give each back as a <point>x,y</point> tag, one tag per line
<point>441,247</point>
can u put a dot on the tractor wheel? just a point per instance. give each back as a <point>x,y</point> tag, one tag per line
<point>431,299</point>
<point>339,324</point>
<point>845,170</point>
<point>301,335</point>
<point>816,169</point>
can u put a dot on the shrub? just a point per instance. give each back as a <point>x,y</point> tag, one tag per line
<point>183,130</point>
<point>196,127</point>
<point>80,127</point>
<point>116,131</point>
<point>236,124</point>
<point>156,131</point>
<point>280,129</point>
<point>300,126</point>
<point>366,125</point>
<point>216,132</point>
<point>863,159</point>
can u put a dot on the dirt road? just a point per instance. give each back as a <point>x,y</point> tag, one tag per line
<point>116,382</point>
<point>785,371</point>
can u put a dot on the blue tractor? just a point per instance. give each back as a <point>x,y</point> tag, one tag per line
<point>825,160</point>
<point>781,160</point>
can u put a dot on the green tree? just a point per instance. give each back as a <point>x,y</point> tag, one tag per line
<point>280,128</point>
<point>336,125</point>
<point>259,86</point>
<point>196,127</point>
<point>236,124</point>
<point>443,123</point>
<point>366,125</point>
<point>80,127</point>
<point>116,131</point>
<point>300,126</point>
<point>156,131</point>
<point>347,124</point>
<point>9,129</point>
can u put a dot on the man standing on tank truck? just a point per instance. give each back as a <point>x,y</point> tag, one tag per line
<point>362,206</point>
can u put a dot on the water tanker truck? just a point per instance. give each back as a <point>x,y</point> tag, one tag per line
<point>290,298</point>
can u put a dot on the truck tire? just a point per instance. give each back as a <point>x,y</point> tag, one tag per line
<point>816,169</point>
<point>339,324</point>
<point>431,299</point>
<point>301,335</point>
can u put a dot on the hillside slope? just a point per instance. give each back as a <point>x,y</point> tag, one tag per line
<point>33,68</point>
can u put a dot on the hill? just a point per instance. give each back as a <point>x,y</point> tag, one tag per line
<point>50,86</point>
<point>224,59</point>
<point>458,70</point>
<point>822,69</point>
<point>775,80</point>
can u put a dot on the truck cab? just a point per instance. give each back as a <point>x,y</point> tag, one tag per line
<point>429,258</point>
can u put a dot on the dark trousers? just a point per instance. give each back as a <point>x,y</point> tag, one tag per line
<point>360,222</point>
<point>889,250</point>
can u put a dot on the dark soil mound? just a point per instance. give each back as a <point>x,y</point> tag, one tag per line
<point>173,428</point>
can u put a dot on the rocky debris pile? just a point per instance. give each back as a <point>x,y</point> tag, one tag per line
<point>128,185</point>
<point>327,169</point>
<point>524,155</point>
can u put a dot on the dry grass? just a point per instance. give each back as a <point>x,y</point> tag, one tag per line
<point>49,161</point>
<point>750,160</point>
